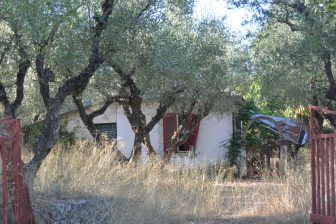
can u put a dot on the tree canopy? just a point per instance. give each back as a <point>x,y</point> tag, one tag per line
<point>113,51</point>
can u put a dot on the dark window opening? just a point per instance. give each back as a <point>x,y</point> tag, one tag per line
<point>107,130</point>
<point>185,148</point>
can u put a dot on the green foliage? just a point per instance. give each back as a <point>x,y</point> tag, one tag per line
<point>246,109</point>
<point>257,136</point>
<point>160,41</point>
<point>331,5</point>
<point>67,139</point>
<point>233,147</point>
<point>31,132</point>
<point>288,53</point>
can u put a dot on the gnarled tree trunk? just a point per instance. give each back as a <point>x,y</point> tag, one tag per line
<point>132,105</point>
<point>45,141</point>
<point>88,121</point>
<point>136,150</point>
<point>77,84</point>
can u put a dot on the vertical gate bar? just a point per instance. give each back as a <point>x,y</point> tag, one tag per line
<point>327,157</point>
<point>323,164</point>
<point>16,170</point>
<point>313,157</point>
<point>332,162</point>
<point>318,193</point>
<point>5,192</point>
<point>313,173</point>
<point>25,212</point>
<point>13,181</point>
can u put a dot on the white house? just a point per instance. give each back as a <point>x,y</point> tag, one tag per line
<point>208,142</point>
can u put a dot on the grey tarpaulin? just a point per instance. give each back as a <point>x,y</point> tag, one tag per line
<point>293,131</point>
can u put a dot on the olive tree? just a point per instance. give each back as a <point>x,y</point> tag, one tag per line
<point>294,53</point>
<point>65,43</point>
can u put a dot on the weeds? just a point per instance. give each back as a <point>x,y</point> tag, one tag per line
<point>84,185</point>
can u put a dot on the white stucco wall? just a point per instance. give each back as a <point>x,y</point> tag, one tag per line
<point>212,132</point>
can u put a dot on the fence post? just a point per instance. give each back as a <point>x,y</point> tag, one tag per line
<point>15,191</point>
<point>322,148</point>
<point>283,151</point>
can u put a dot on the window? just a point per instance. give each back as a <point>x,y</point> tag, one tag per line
<point>170,124</point>
<point>185,148</point>
<point>108,129</point>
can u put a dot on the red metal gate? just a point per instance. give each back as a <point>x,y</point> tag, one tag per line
<point>322,167</point>
<point>14,189</point>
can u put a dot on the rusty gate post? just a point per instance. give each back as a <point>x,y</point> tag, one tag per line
<point>5,190</point>
<point>15,191</point>
<point>312,159</point>
<point>322,146</point>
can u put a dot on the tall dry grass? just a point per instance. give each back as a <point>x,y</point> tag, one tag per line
<point>83,184</point>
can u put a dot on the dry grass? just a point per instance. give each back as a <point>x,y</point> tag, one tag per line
<point>83,185</point>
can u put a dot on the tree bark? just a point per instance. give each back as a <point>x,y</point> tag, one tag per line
<point>331,93</point>
<point>45,141</point>
<point>136,150</point>
<point>88,118</point>
<point>133,111</point>
<point>10,108</point>
<point>88,121</point>
<point>150,150</point>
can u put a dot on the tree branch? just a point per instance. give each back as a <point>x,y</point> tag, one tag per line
<point>147,6</point>
<point>186,128</point>
<point>108,101</point>
<point>42,79</point>
<point>89,117</point>
<point>184,131</point>
<point>331,93</point>
<point>298,6</point>
<point>82,113</point>
<point>163,107</point>
<point>6,50</point>
<point>77,84</point>
<point>4,98</point>
<point>126,78</point>
<point>24,64</point>
<point>45,74</point>
<point>292,26</point>
<point>128,113</point>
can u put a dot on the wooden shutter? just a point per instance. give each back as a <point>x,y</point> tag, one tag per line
<point>169,127</point>
<point>192,140</point>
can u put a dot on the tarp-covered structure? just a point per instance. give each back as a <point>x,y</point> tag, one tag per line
<point>288,130</point>
<point>292,130</point>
